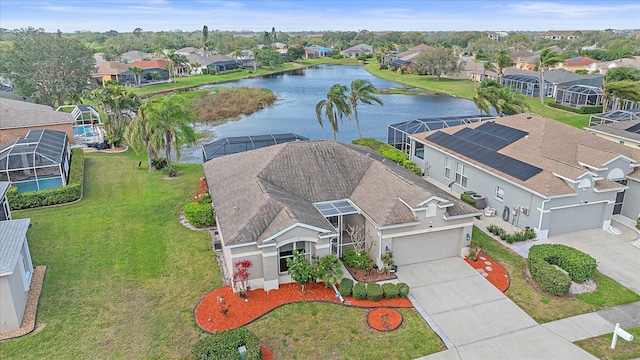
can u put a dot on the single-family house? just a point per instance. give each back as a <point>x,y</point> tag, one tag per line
<point>535,172</point>
<point>305,195</point>
<point>355,51</point>
<point>577,63</point>
<point>16,270</point>
<point>214,63</point>
<point>604,66</point>
<point>316,51</point>
<point>563,79</point>
<point>154,70</point>
<point>135,55</point>
<point>623,132</point>
<point>5,210</point>
<point>524,60</point>
<point>17,118</point>
<point>114,71</point>
<point>559,34</point>
<point>495,35</point>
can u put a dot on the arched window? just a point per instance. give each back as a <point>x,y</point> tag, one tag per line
<point>286,251</point>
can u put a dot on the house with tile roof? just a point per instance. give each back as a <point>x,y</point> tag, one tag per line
<point>155,66</point>
<point>17,118</point>
<point>535,172</point>
<point>306,195</point>
<point>577,63</point>
<point>114,71</point>
<point>16,268</point>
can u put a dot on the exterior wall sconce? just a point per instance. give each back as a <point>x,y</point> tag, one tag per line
<point>386,248</point>
<point>468,237</point>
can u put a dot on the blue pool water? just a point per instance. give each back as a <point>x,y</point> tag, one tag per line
<point>83,130</point>
<point>46,182</point>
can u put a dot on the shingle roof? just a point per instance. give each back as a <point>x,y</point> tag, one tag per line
<point>112,68</point>
<point>562,76</point>
<point>19,114</point>
<point>261,192</point>
<point>12,235</point>
<point>554,147</point>
<point>618,129</point>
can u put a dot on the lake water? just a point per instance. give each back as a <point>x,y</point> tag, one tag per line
<point>300,90</point>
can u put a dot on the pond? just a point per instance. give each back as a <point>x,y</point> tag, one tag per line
<point>299,91</point>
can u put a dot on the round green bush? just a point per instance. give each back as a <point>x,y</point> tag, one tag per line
<point>360,291</point>
<point>224,345</point>
<point>346,286</point>
<point>199,215</point>
<point>403,290</point>
<point>390,290</point>
<point>578,266</point>
<point>374,291</point>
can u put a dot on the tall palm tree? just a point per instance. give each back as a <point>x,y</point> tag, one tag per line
<point>546,59</point>
<point>503,61</point>
<point>362,91</point>
<point>119,106</point>
<point>504,100</point>
<point>335,106</point>
<point>137,72</point>
<point>619,90</point>
<point>170,118</point>
<point>195,66</point>
<point>140,135</point>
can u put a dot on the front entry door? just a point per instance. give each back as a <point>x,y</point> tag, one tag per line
<point>617,207</point>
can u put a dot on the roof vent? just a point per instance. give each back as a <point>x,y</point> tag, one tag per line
<point>528,117</point>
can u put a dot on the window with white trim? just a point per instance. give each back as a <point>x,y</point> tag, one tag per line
<point>447,169</point>
<point>27,266</point>
<point>499,193</point>
<point>460,178</point>
<point>286,251</point>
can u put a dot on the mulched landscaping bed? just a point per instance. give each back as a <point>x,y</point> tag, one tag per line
<point>267,354</point>
<point>373,275</point>
<point>491,270</point>
<point>384,319</point>
<point>209,317</point>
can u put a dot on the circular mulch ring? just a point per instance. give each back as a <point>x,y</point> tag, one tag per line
<point>267,354</point>
<point>384,319</point>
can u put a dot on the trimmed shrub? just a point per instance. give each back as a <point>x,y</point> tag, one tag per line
<point>411,166</point>
<point>390,290</point>
<point>588,109</point>
<point>390,153</point>
<point>71,192</point>
<point>579,267</point>
<point>360,291</point>
<point>199,215</point>
<point>403,290</point>
<point>224,345</point>
<point>204,199</point>
<point>346,287</point>
<point>360,262</point>
<point>159,163</point>
<point>374,291</point>
<point>517,236</point>
<point>468,199</point>
<point>170,170</point>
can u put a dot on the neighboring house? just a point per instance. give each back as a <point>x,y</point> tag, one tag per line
<point>577,63</point>
<point>559,34</point>
<point>496,35</point>
<point>536,172</point>
<point>16,270</point>
<point>603,67</point>
<point>135,55</point>
<point>524,60</point>
<point>156,66</point>
<point>623,132</point>
<point>315,51</point>
<point>560,78</point>
<point>215,63</point>
<point>114,71</point>
<point>304,195</point>
<point>5,210</point>
<point>528,82</point>
<point>355,51</point>
<point>190,50</point>
<point>17,118</point>
<point>99,58</point>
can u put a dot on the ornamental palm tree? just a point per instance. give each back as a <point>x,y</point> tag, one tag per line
<point>362,91</point>
<point>140,135</point>
<point>546,59</point>
<point>170,119</point>
<point>119,106</point>
<point>335,106</point>
<point>619,90</point>
<point>137,72</point>
<point>503,61</point>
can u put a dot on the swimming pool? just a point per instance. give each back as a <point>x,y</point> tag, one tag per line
<point>45,181</point>
<point>83,130</point>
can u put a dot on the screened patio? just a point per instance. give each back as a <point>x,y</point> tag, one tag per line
<point>614,116</point>
<point>86,123</point>
<point>398,134</point>
<point>39,160</point>
<point>237,144</point>
<point>528,85</point>
<point>577,96</point>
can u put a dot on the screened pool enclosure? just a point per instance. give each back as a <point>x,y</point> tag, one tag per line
<point>578,96</point>
<point>237,144</point>
<point>614,116</point>
<point>39,160</point>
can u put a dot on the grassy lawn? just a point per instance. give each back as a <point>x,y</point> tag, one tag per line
<point>123,274</point>
<point>544,308</point>
<point>464,88</point>
<point>314,330</point>
<point>600,346</point>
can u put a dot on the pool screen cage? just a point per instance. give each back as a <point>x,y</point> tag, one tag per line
<point>577,96</point>
<point>398,134</point>
<point>36,161</point>
<point>86,123</point>
<point>528,85</point>
<point>237,144</point>
<point>614,116</point>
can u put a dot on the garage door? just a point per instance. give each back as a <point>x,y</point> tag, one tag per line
<point>576,219</point>
<point>425,247</point>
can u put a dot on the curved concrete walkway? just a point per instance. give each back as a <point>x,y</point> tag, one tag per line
<point>476,320</point>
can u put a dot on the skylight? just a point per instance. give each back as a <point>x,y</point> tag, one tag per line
<point>337,207</point>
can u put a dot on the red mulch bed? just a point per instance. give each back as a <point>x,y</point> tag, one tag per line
<point>240,312</point>
<point>384,319</point>
<point>373,275</point>
<point>267,354</point>
<point>496,274</point>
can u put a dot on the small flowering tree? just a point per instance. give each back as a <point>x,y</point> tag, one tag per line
<point>301,269</point>
<point>240,278</point>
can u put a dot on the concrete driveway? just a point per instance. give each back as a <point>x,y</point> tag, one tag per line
<point>615,255</point>
<point>475,319</point>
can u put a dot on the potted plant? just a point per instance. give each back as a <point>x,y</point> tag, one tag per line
<point>474,249</point>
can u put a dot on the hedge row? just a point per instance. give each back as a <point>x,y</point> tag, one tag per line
<point>518,236</point>
<point>224,345</point>
<point>589,109</point>
<point>390,153</point>
<point>71,192</point>
<point>199,215</point>
<point>579,267</point>
<point>372,291</point>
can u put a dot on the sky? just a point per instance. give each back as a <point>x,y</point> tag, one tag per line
<point>319,15</point>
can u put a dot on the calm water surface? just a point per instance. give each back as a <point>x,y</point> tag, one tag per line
<point>298,93</point>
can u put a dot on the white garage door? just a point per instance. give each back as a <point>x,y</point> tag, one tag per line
<point>576,219</point>
<point>425,247</point>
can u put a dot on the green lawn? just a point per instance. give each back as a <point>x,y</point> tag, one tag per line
<point>123,274</point>
<point>600,346</point>
<point>315,330</point>
<point>544,308</point>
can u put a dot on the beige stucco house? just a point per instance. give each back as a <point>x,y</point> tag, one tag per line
<point>18,117</point>
<point>304,195</point>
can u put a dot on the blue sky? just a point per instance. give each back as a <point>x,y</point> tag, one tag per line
<point>299,15</point>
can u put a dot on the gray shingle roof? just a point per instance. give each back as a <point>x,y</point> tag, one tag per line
<point>261,192</point>
<point>12,235</point>
<point>618,129</point>
<point>19,114</point>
